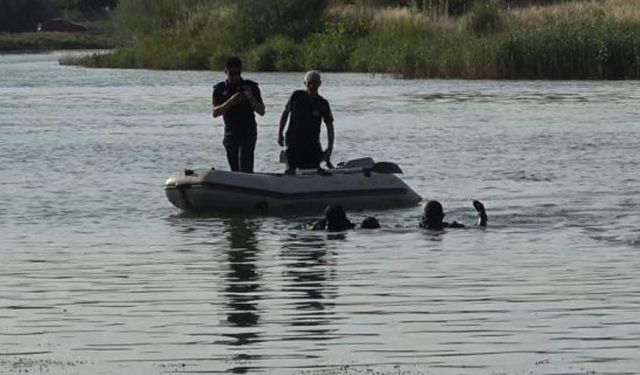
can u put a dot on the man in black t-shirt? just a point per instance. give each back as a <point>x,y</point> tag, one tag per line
<point>236,99</point>
<point>306,110</point>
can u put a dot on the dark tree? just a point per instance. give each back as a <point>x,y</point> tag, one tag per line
<point>24,15</point>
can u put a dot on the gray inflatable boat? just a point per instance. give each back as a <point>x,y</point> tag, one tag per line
<point>355,185</point>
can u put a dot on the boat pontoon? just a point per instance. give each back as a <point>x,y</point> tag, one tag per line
<point>355,185</point>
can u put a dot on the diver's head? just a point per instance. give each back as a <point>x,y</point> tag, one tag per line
<point>370,222</point>
<point>336,219</point>
<point>433,215</point>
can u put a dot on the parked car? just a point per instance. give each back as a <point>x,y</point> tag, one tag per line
<point>60,24</point>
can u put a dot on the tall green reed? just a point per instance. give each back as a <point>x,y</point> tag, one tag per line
<point>484,43</point>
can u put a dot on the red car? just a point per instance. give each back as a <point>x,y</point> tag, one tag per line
<point>60,24</point>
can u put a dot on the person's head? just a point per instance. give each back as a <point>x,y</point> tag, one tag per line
<point>336,219</point>
<point>370,222</point>
<point>433,215</point>
<point>233,69</point>
<point>312,81</point>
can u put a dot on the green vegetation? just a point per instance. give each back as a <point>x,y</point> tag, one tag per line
<point>19,20</point>
<point>24,15</point>
<point>421,38</point>
<point>598,49</point>
<point>20,42</point>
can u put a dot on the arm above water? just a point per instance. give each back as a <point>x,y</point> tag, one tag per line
<point>453,224</point>
<point>320,225</point>
<point>482,214</point>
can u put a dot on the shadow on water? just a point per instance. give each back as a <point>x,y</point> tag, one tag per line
<point>242,286</point>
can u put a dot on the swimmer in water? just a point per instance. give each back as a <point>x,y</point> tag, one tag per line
<point>433,215</point>
<point>370,222</point>
<point>336,220</point>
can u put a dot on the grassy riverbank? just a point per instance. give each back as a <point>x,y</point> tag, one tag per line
<point>29,42</point>
<point>570,40</point>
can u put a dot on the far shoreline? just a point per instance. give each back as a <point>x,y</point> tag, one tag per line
<point>67,58</point>
<point>566,41</point>
<point>33,42</point>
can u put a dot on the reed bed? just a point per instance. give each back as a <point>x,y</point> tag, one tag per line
<point>576,11</point>
<point>597,39</point>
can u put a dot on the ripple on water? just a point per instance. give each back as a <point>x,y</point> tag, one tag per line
<point>101,275</point>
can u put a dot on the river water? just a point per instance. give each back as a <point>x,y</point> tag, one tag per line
<point>99,274</point>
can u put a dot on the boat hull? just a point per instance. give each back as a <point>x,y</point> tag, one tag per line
<point>271,193</point>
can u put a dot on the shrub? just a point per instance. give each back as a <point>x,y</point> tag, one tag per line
<point>139,18</point>
<point>484,19</point>
<point>328,51</point>
<point>262,19</point>
<point>279,53</point>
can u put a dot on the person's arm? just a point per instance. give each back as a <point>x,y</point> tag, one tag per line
<point>328,120</point>
<point>330,139</point>
<point>255,99</point>
<point>454,224</point>
<point>221,109</point>
<point>482,214</point>
<point>320,225</point>
<point>283,122</point>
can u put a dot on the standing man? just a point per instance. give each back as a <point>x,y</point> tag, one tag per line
<point>306,110</point>
<point>236,100</point>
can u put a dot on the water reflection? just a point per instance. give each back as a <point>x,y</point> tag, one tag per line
<point>311,284</point>
<point>555,281</point>
<point>242,289</point>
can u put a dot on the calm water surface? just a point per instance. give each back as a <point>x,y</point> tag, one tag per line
<point>99,274</point>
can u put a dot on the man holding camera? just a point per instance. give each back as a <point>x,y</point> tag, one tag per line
<point>236,99</point>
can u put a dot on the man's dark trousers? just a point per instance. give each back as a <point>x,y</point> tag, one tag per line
<point>240,151</point>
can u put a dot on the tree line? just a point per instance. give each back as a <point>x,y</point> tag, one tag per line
<point>24,15</point>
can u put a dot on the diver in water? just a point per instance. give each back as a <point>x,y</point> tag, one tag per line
<point>434,214</point>
<point>336,220</point>
<point>370,222</point>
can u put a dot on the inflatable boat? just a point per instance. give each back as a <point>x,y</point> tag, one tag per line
<point>355,185</point>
